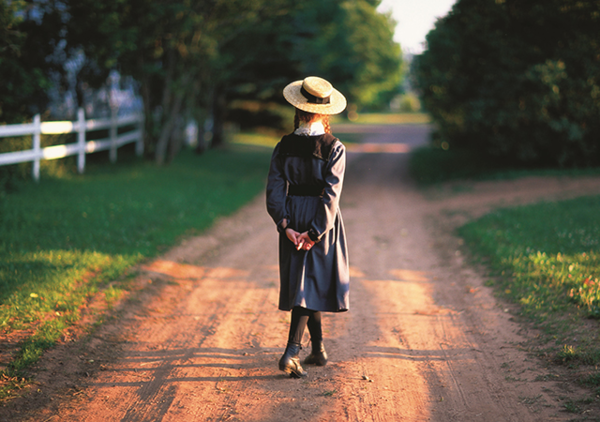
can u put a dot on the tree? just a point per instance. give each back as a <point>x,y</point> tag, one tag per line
<point>29,36</point>
<point>517,79</point>
<point>191,57</point>
<point>356,49</point>
<point>174,48</point>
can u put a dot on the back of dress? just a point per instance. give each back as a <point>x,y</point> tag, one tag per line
<point>304,187</point>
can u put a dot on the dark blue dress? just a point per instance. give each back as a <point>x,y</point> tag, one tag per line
<point>304,187</point>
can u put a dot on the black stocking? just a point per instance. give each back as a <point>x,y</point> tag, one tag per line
<point>300,317</point>
<point>314,327</point>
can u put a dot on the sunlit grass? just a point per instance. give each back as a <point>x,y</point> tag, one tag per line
<point>547,260</point>
<point>386,119</point>
<point>255,139</point>
<point>269,141</point>
<point>61,241</point>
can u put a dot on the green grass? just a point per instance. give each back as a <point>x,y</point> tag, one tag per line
<point>269,139</point>
<point>255,139</point>
<point>592,381</point>
<point>386,119</point>
<point>547,259</point>
<point>62,240</point>
<point>431,165</point>
<point>543,257</point>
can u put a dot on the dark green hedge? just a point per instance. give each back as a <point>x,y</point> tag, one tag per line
<point>518,79</point>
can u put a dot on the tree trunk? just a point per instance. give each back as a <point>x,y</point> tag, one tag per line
<point>176,137</point>
<point>201,145</point>
<point>167,89</point>
<point>167,129</point>
<point>148,120</point>
<point>218,112</point>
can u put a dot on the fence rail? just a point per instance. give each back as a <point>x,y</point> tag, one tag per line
<point>79,148</point>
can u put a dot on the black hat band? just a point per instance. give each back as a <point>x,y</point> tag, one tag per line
<point>312,99</point>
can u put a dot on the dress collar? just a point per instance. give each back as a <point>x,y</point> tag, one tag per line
<point>310,129</point>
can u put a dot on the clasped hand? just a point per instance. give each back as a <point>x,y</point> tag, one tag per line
<point>300,240</point>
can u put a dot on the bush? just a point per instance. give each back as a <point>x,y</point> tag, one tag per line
<point>519,80</point>
<point>12,176</point>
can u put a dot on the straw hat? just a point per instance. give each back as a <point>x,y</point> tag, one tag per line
<point>315,95</point>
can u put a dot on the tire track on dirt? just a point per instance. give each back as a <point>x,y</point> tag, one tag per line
<point>424,339</point>
<point>157,396</point>
<point>428,300</point>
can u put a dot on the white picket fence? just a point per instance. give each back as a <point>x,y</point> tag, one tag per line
<point>79,148</point>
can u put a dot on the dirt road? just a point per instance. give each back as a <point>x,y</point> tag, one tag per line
<point>424,339</point>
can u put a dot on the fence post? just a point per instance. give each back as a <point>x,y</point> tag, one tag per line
<point>139,146</point>
<point>81,140</point>
<point>113,134</point>
<point>37,130</point>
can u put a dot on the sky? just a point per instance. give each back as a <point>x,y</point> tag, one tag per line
<point>415,18</point>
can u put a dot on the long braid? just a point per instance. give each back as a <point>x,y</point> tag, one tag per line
<point>326,124</point>
<point>304,116</point>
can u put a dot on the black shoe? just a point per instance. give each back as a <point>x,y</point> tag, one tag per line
<point>290,361</point>
<point>318,356</point>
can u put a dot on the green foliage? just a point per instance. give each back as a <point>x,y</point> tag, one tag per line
<point>409,103</point>
<point>355,50</point>
<point>346,42</point>
<point>592,380</point>
<point>11,176</point>
<point>428,165</point>
<point>62,240</point>
<point>518,80</point>
<point>193,57</point>
<point>15,175</point>
<point>25,47</point>
<point>548,260</point>
<point>435,164</point>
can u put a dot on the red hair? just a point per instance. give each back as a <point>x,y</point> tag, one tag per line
<point>306,117</point>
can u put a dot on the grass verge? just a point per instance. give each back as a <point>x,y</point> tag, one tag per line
<point>546,258</point>
<point>430,165</point>
<point>64,239</point>
<point>386,119</point>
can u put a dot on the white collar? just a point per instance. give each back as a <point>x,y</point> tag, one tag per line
<point>310,129</point>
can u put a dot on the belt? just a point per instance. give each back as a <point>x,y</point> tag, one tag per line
<point>305,190</point>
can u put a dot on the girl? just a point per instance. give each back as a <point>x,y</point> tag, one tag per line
<point>303,193</point>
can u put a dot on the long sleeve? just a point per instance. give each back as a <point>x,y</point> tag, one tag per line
<point>277,190</point>
<point>334,179</point>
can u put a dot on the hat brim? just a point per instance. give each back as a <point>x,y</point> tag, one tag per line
<point>337,102</point>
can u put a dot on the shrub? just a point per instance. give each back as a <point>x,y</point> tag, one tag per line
<point>518,80</point>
